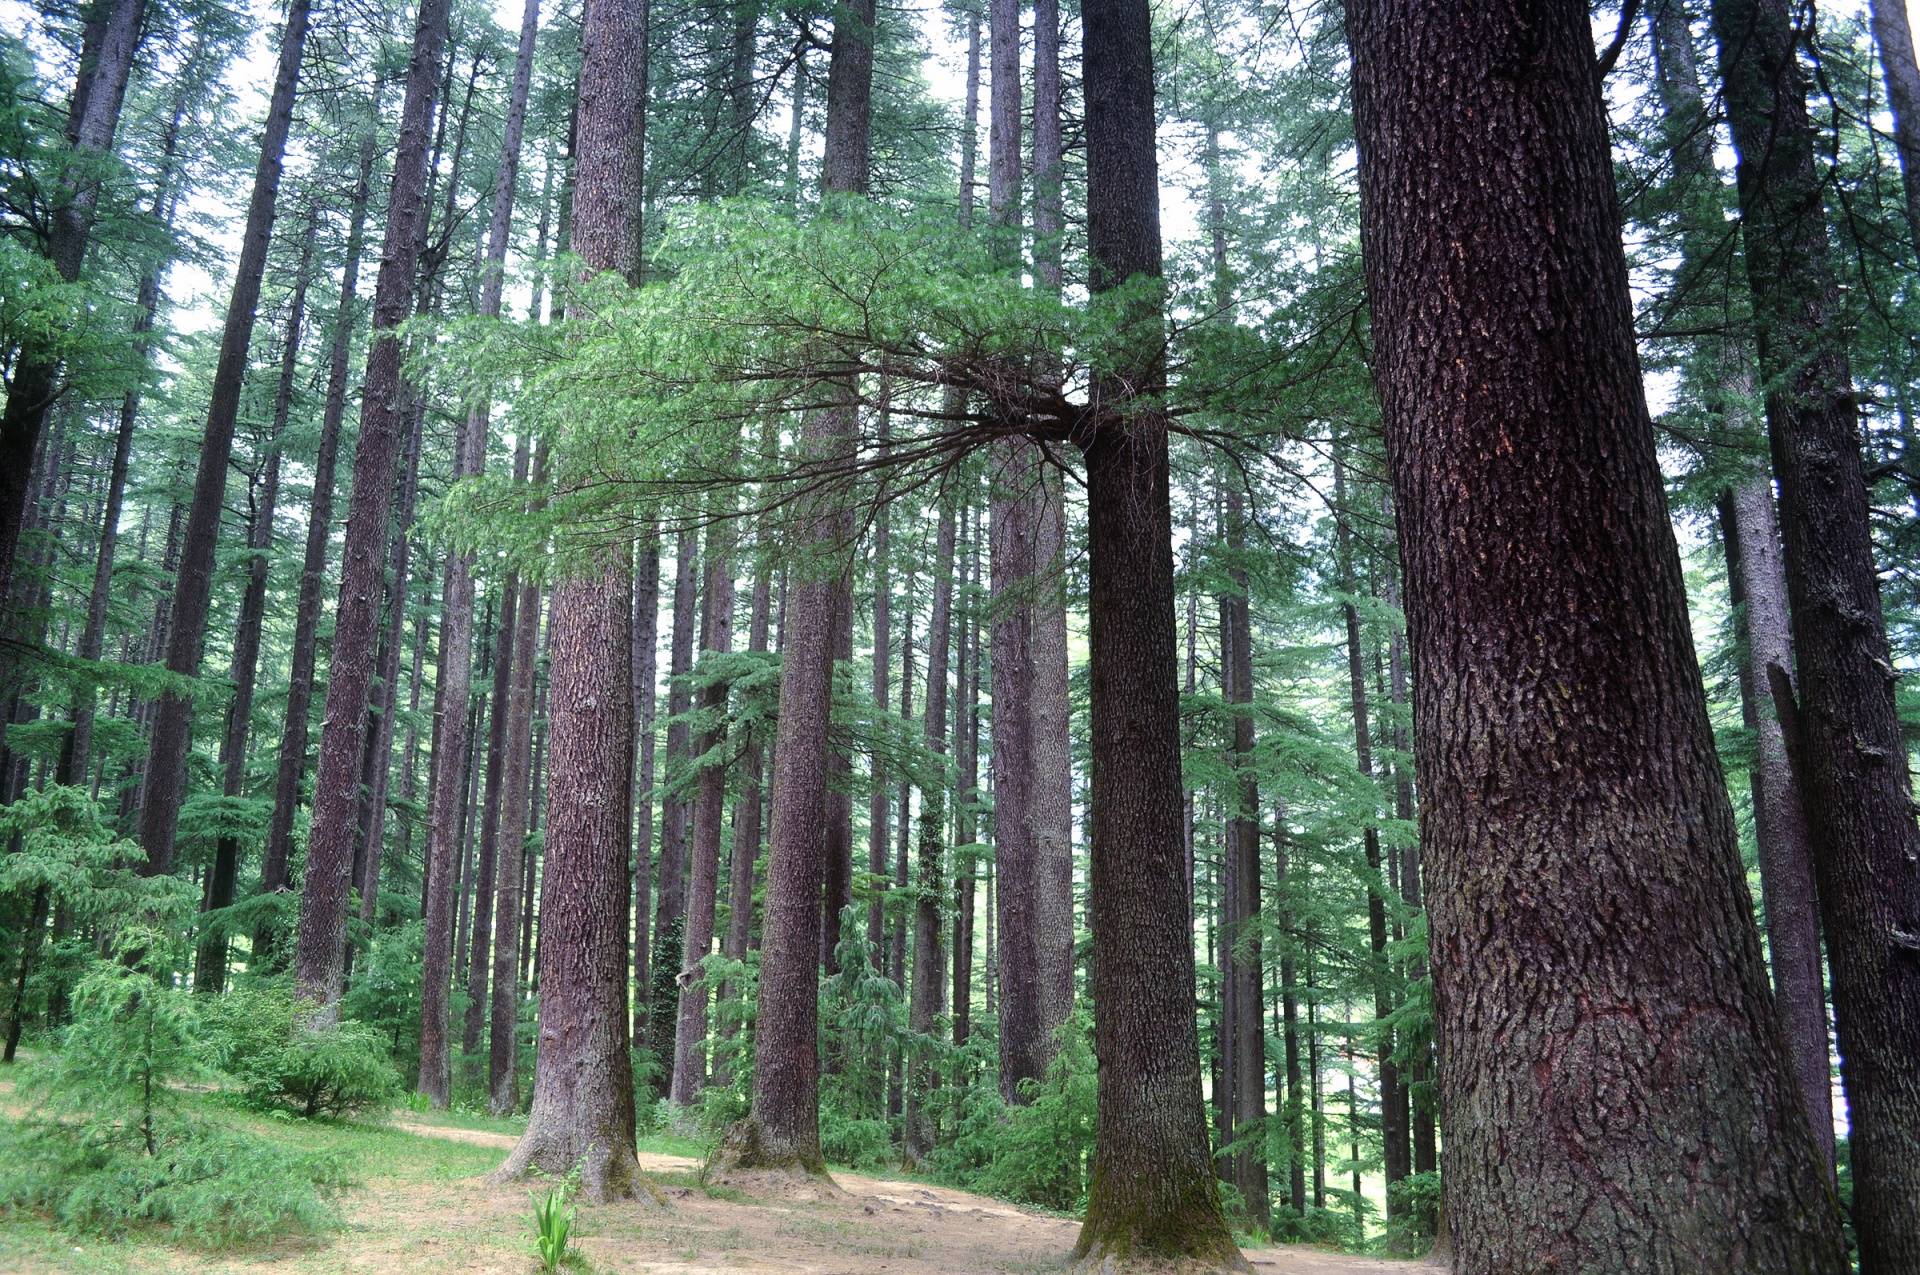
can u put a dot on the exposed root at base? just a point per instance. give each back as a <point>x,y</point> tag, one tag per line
<point>1102,1262</point>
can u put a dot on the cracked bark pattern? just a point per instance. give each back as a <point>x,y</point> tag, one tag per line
<point>1614,1088</point>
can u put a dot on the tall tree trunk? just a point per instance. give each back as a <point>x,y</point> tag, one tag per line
<point>879,809</point>
<point>646,660</point>
<point>782,1129</point>
<point>35,381</point>
<point>1295,1123</point>
<point>746,812</point>
<point>716,638</point>
<point>583,1101</point>
<point>313,573</point>
<point>193,582</point>
<point>210,967</point>
<point>1567,764</point>
<point>318,956</point>
<point>928,989</point>
<point>1153,1193</point>
<point>1848,751</point>
<point>966,747</point>
<point>670,905</point>
<point>1241,945</point>
<point>1894,34</point>
<point>513,863</point>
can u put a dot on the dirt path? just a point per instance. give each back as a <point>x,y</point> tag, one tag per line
<point>875,1225</point>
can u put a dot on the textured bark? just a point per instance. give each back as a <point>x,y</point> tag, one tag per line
<point>583,1101</point>
<point>323,900</point>
<point>1296,1104</point>
<point>1051,795</point>
<point>1849,754</point>
<point>210,963</point>
<point>313,572</point>
<point>879,809</point>
<point>1757,587</point>
<point>837,853</point>
<point>966,747</point>
<point>35,379</point>
<point>193,582</point>
<point>1589,916</point>
<point>746,811</point>
<point>1153,1193</point>
<point>703,884</point>
<point>512,864</point>
<point>1894,34</point>
<point>670,903</point>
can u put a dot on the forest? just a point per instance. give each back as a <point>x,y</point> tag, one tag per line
<point>1131,635</point>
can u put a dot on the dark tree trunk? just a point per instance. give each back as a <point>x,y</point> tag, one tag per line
<point>746,812</point>
<point>966,747</point>
<point>210,966</point>
<point>1023,1051</point>
<point>318,956</point>
<point>193,582</point>
<point>458,600</point>
<point>928,990</point>
<point>1567,766</point>
<point>292,767</point>
<point>837,889</point>
<point>1153,1193</point>
<point>1240,941</point>
<point>35,380</point>
<point>513,863</point>
<point>1848,750</point>
<point>583,1101</point>
<point>880,807</point>
<point>670,903</point>
<point>716,637</point>
<point>1295,1124</point>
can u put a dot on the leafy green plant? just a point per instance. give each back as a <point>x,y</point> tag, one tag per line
<point>1045,1148</point>
<point>553,1225</point>
<point>110,1146</point>
<point>342,1070</point>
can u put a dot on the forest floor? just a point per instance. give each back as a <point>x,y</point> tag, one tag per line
<point>423,1207</point>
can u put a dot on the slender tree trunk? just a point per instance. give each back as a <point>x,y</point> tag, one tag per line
<point>928,989</point>
<point>35,379</point>
<point>313,574</point>
<point>879,809</point>
<point>746,814</point>
<point>670,907</point>
<point>967,749</point>
<point>513,863</point>
<point>837,890</point>
<point>1893,33</point>
<point>1153,1193</point>
<point>1846,741</point>
<point>210,967</point>
<point>318,957</point>
<point>716,637</point>
<point>583,1100</point>
<point>1565,739</point>
<point>646,659</point>
<point>1290,1030</point>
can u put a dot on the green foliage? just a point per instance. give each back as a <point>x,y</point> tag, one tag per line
<point>344,1070</point>
<point>1046,1147</point>
<point>552,1225</point>
<point>1413,1211</point>
<point>110,1149</point>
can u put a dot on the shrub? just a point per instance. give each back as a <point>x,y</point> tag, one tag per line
<point>109,1148</point>
<point>342,1070</point>
<point>1046,1146</point>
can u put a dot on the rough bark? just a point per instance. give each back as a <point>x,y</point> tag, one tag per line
<point>511,865</point>
<point>670,904</point>
<point>1153,1194</point>
<point>646,661</point>
<point>928,989</point>
<point>1848,751</point>
<point>716,637</point>
<point>193,581</point>
<point>583,1101</point>
<point>318,956</point>
<point>313,572</point>
<point>879,809</point>
<point>1567,767</point>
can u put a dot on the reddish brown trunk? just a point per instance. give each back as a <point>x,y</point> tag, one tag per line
<point>323,902</point>
<point>512,863</point>
<point>646,659</point>
<point>1564,736</point>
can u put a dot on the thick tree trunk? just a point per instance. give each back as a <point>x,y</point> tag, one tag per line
<point>1567,764</point>
<point>583,1101</point>
<point>837,893</point>
<point>1894,34</point>
<point>1153,1193</point>
<point>35,379</point>
<point>710,806</point>
<point>193,582</point>
<point>1848,750</point>
<point>318,953</point>
<point>313,573</point>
